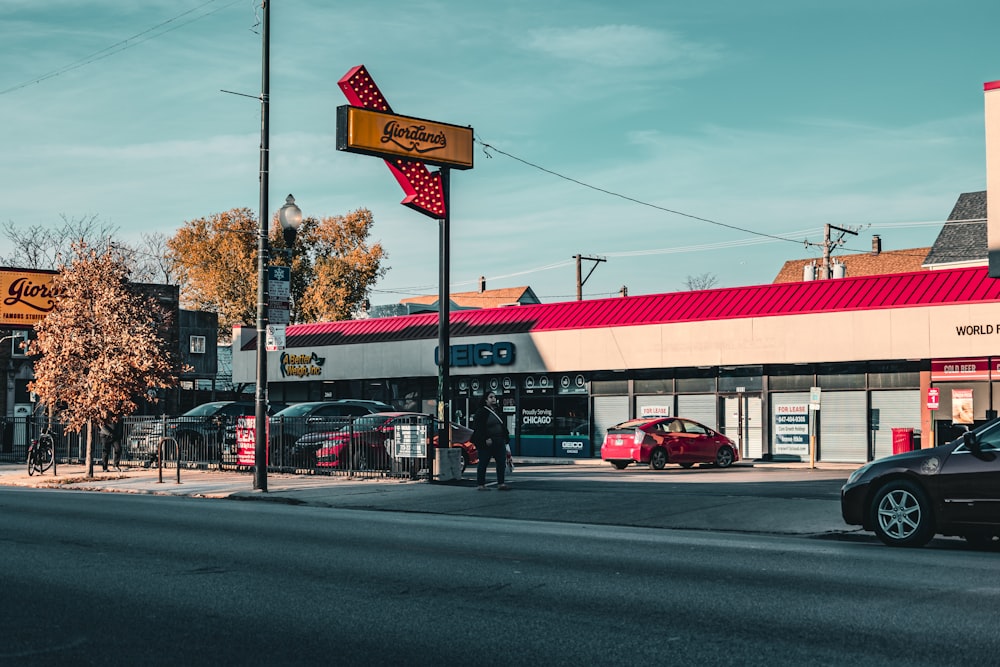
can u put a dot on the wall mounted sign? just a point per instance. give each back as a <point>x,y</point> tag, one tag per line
<point>27,297</point>
<point>946,370</point>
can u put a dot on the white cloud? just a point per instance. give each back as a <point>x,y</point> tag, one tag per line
<point>620,46</point>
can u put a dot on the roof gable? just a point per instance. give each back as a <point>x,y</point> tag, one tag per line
<point>963,237</point>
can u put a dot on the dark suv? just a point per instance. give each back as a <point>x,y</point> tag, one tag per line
<point>290,424</point>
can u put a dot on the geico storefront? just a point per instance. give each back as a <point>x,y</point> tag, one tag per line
<point>905,351</point>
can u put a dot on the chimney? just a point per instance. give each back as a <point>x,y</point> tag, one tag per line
<point>992,97</point>
<point>482,284</point>
<point>876,244</point>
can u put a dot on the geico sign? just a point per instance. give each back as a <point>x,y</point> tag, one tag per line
<point>479,354</point>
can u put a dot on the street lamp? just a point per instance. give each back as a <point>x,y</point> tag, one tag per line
<point>290,217</point>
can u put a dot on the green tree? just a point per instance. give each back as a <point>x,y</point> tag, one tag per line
<point>100,348</point>
<point>333,265</point>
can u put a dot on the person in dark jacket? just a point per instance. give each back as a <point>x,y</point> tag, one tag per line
<point>111,440</point>
<point>490,436</point>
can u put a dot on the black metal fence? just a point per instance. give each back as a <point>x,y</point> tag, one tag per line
<point>368,446</point>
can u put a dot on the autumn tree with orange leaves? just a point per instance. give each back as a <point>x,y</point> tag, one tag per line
<point>100,348</point>
<point>333,265</point>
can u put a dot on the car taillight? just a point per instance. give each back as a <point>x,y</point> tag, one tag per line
<point>639,436</point>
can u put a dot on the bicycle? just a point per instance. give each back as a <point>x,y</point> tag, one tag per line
<point>41,453</point>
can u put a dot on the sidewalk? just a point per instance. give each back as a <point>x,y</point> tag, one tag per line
<point>579,502</point>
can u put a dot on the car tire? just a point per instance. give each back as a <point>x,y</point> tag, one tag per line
<point>619,465</point>
<point>465,461</point>
<point>901,515</point>
<point>724,457</point>
<point>658,459</point>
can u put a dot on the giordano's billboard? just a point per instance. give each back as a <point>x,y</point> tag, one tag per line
<point>28,296</point>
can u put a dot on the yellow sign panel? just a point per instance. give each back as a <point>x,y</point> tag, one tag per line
<point>390,136</point>
<point>27,297</point>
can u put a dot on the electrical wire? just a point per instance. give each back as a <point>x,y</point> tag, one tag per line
<point>124,44</point>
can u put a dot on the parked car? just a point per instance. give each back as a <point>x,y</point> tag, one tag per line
<point>206,432</point>
<point>953,489</point>
<point>290,424</point>
<point>367,442</point>
<point>658,441</point>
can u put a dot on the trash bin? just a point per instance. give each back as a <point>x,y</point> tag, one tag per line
<point>902,440</point>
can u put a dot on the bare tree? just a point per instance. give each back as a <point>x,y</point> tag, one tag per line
<point>42,246</point>
<point>151,261</point>
<point>101,346</point>
<point>704,281</point>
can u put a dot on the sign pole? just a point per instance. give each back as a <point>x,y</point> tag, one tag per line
<point>444,307</point>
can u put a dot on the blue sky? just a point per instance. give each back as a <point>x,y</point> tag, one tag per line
<point>774,117</point>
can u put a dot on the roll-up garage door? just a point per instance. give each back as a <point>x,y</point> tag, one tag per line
<point>896,409</point>
<point>661,405</point>
<point>700,408</point>
<point>608,411</point>
<point>843,427</point>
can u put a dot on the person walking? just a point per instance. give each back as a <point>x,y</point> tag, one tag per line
<point>111,434</point>
<point>490,436</point>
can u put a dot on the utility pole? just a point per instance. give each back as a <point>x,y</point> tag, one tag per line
<point>579,272</point>
<point>829,245</point>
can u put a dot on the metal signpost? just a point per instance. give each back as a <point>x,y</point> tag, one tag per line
<point>369,127</point>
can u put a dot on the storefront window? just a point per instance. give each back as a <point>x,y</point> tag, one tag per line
<point>696,385</point>
<point>609,387</point>
<point>572,426</point>
<point>536,426</point>
<point>664,386</point>
<point>790,382</point>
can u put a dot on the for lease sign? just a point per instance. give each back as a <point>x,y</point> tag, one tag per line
<point>791,429</point>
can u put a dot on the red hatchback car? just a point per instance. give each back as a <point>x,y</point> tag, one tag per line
<point>662,440</point>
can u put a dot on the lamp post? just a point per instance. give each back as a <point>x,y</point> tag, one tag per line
<point>290,217</point>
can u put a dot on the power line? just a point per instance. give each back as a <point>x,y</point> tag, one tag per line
<point>487,147</point>
<point>124,44</point>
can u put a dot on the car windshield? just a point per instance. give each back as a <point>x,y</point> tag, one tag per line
<point>205,410</point>
<point>988,435</point>
<point>296,410</point>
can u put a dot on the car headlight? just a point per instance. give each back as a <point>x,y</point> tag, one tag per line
<point>857,474</point>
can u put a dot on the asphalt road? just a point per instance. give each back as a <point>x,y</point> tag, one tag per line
<point>103,578</point>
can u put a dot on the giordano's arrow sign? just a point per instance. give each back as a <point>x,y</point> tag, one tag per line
<point>369,126</point>
<point>388,136</point>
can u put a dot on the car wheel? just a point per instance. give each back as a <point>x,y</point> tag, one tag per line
<point>658,458</point>
<point>465,461</point>
<point>901,515</point>
<point>724,457</point>
<point>619,465</point>
<point>687,465</point>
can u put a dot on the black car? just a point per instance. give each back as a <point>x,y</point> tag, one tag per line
<point>203,433</point>
<point>295,421</point>
<point>953,489</point>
